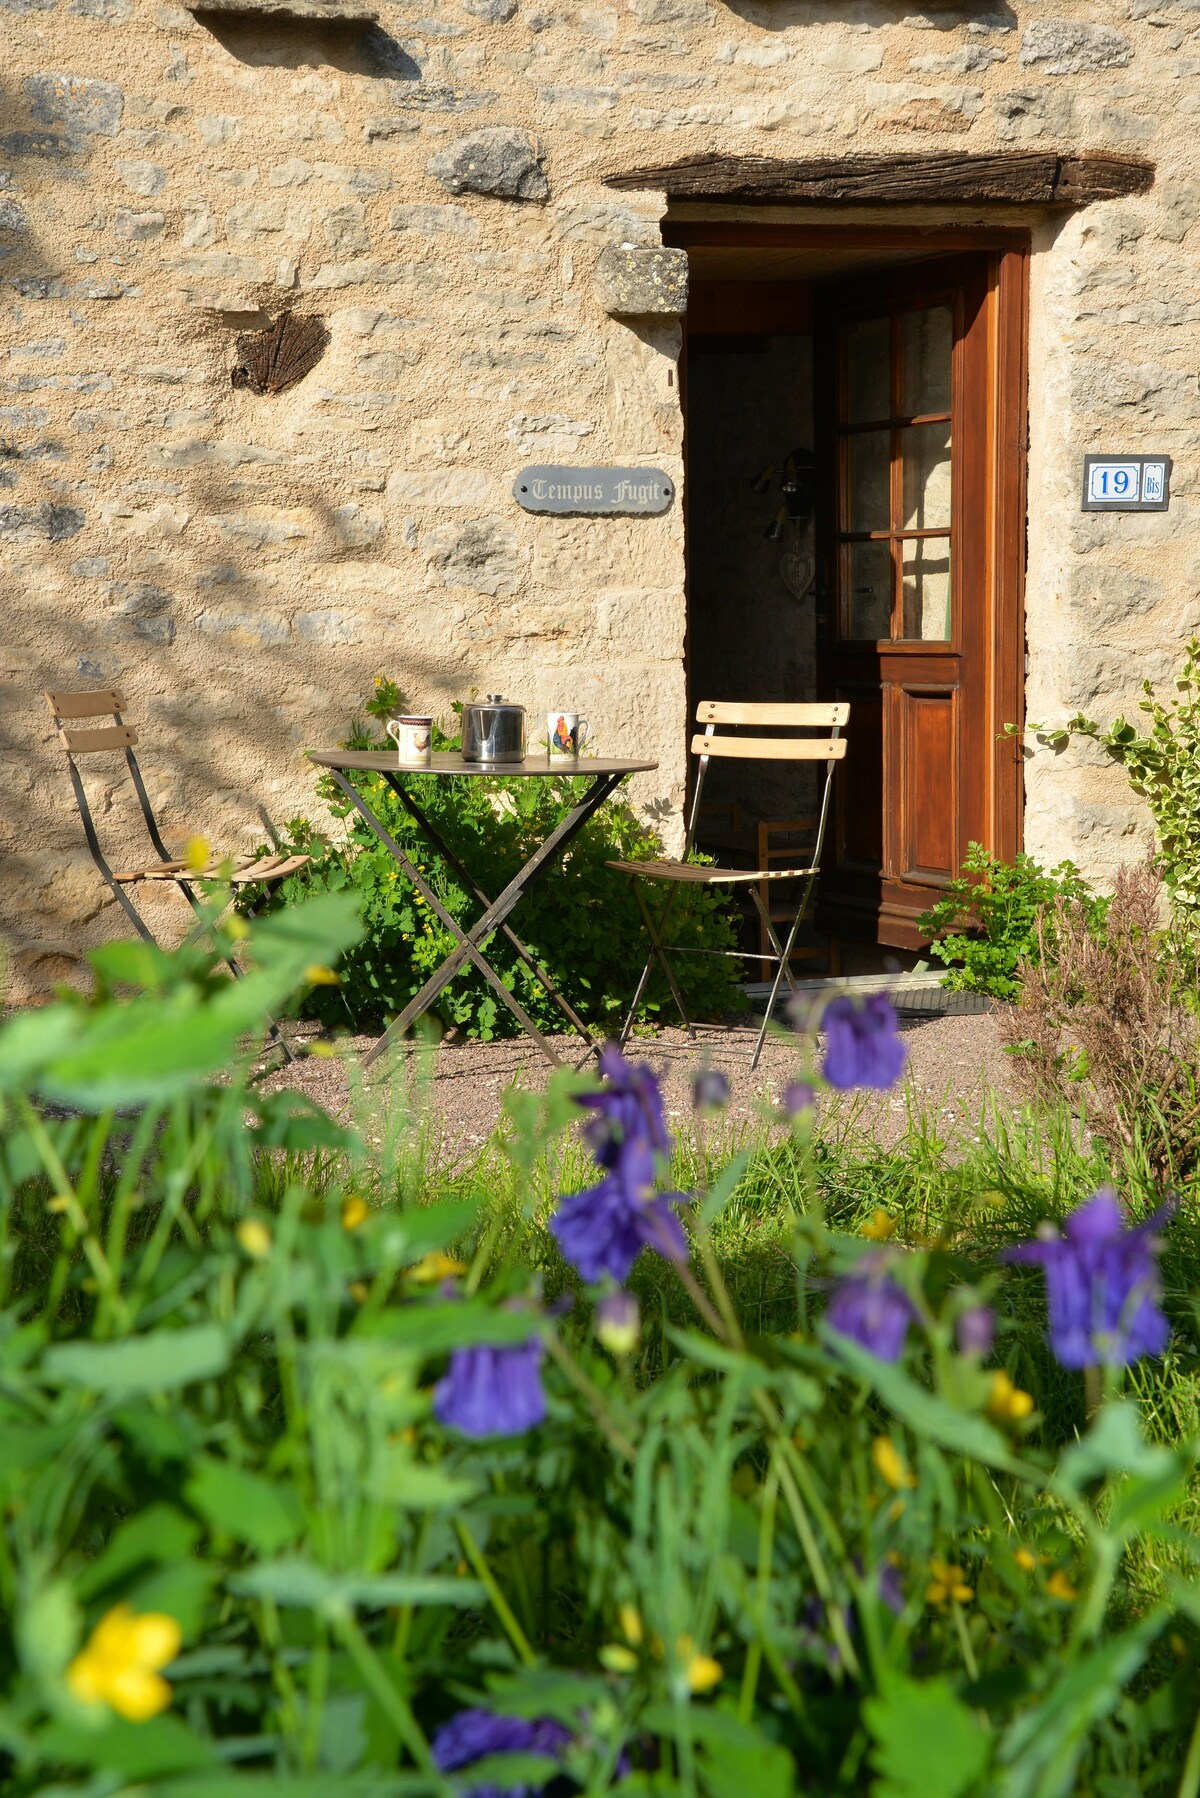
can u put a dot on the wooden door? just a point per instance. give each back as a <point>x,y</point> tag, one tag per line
<point>905,428</point>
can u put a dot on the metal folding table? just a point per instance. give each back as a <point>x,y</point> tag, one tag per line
<point>605,776</point>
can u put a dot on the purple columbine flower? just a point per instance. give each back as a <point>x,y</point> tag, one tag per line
<point>862,1044</point>
<point>871,1309</point>
<point>474,1734</point>
<point>1102,1285</point>
<point>891,1588</point>
<point>710,1090</point>
<point>604,1230</point>
<point>798,1097</point>
<point>628,1109</point>
<point>492,1390</point>
<point>975,1330</point>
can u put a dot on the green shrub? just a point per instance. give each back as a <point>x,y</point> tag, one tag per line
<point>771,1564</point>
<point>580,921</point>
<point>1163,765</point>
<point>986,923</point>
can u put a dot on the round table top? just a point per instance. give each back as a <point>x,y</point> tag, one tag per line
<point>449,761</point>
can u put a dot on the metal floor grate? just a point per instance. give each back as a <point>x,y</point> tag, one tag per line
<point>915,996</point>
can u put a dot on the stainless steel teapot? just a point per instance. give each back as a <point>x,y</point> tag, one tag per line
<point>493,730</point>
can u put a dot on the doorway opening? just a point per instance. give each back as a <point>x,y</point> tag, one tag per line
<point>855,505</point>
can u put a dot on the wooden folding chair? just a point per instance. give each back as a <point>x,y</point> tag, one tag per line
<point>829,746</point>
<point>67,709</point>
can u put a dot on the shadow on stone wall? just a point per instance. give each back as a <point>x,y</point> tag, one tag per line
<point>787,15</point>
<point>353,49</point>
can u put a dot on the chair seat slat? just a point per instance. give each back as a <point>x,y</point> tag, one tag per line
<point>240,870</point>
<point>691,873</point>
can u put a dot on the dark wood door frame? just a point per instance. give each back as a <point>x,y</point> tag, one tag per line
<point>1004,527</point>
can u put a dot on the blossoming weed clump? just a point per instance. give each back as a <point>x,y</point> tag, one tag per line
<point>305,1493</point>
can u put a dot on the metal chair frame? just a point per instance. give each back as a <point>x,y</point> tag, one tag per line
<point>830,747</point>
<point>66,709</point>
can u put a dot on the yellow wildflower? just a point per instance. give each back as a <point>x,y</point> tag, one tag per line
<point>120,1666</point>
<point>631,1623</point>
<point>255,1238</point>
<point>197,855</point>
<point>948,1582</point>
<point>434,1267</point>
<point>355,1211</point>
<point>1006,1402</point>
<point>318,975</point>
<point>879,1227</point>
<point>702,1672</point>
<point>322,1051</point>
<point>1026,1560</point>
<point>891,1464</point>
<point>617,1658</point>
<point>1059,1586</point>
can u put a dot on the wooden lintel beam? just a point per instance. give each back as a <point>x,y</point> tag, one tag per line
<point>1019,178</point>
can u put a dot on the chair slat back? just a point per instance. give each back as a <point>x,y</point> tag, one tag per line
<point>88,742</point>
<point>85,705</point>
<point>773,749</point>
<point>824,743</point>
<point>720,711</point>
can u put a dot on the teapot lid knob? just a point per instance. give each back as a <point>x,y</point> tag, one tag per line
<point>493,699</point>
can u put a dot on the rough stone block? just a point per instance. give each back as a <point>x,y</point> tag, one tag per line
<point>110,12</point>
<point>218,128</point>
<point>482,556</point>
<point>501,160</point>
<point>93,107</point>
<point>327,628</point>
<point>144,178</point>
<point>1069,47</point>
<point>440,487</point>
<point>12,218</point>
<point>492,12</point>
<point>637,283</point>
<point>356,529</point>
<point>138,227</point>
<point>435,221</point>
<point>27,523</point>
<point>345,229</point>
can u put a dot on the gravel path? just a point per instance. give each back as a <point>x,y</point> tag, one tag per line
<point>953,1064</point>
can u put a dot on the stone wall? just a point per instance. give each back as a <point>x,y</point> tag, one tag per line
<point>244,565</point>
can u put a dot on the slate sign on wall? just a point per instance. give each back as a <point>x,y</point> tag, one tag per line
<point>618,490</point>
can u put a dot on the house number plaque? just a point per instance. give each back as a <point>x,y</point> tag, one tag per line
<point>1126,483</point>
<point>633,491</point>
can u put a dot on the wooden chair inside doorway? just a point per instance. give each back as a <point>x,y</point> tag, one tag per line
<point>810,733</point>
<point>76,717</point>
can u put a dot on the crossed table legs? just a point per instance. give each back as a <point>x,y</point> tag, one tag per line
<point>494,916</point>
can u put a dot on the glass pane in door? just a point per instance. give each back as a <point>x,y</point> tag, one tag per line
<point>925,589</point>
<point>868,569</point>
<point>928,340</point>
<point>925,453</point>
<point>868,499</point>
<point>868,371</point>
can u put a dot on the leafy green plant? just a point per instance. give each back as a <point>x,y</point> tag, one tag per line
<point>242,1554</point>
<point>1163,765</point>
<point>581,921</point>
<point>986,923</point>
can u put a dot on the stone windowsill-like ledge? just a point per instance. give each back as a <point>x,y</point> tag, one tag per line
<point>324,12</point>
